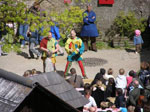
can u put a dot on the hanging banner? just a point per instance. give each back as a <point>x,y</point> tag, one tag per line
<point>103,2</point>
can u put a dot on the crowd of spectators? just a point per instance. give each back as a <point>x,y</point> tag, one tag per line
<point>123,93</point>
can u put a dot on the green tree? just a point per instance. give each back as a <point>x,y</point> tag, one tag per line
<point>16,12</point>
<point>10,11</point>
<point>70,19</point>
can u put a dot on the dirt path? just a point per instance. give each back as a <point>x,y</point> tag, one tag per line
<point>114,59</point>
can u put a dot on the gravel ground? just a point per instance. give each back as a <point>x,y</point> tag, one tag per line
<point>115,59</point>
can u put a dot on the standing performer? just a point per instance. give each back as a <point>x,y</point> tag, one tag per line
<point>49,46</point>
<point>74,47</point>
<point>89,30</point>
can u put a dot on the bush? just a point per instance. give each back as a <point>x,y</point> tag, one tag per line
<point>125,24</point>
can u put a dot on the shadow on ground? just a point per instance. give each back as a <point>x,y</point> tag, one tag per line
<point>92,62</point>
<point>24,54</point>
<point>145,55</point>
<point>129,50</point>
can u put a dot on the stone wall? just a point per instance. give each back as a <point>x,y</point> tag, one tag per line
<point>105,14</point>
<point>49,5</point>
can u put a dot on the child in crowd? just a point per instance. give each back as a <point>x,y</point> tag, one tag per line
<point>98,92</point>
<point>34,71</point>
<point>109,74</point>
<point>92,104</point>
<point>121,81</point>
<point>120,99</point>
<point>131,108</point>
<point>31,72</point>
<point>27,73</point>
<point>99,76</point>
<point>130,77</point>
<point>138,41</point>
<point>110,88</point>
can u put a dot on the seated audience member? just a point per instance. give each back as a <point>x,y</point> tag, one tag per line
<point>110,88</point>
<point>130,77</point>
<point>92,109</point>
<point>131,87</point>
<point>141,99</point>
<point>134,94</point>
<point>146,106</point>
<point>112,107</point>
<point>99,76</point>
<point>27,73</point>
<point>104,106</point>
<point>123,108</point>
<point>109,74</point>
<point>34,71</point>
<point>147,91</point>
<point>131,108</point>
<point>135,77</point>
<point>144,73</point>
<point>92,104</point>
<point>87,86</point>
<point>98,92</point>
<point>121,81</point>
<point>75,80</point>
<point>120,99</point>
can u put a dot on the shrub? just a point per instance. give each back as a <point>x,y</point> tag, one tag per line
<point>125,24</point>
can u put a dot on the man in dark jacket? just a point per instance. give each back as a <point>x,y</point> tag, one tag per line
<point>134,94</point>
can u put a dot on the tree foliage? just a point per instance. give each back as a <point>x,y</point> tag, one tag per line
<point>16,12</point>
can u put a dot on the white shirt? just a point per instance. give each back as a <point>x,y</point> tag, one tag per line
<point>121,81</point>
<point>91,103</point>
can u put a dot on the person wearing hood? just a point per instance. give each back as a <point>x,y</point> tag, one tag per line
<point>121,81</point>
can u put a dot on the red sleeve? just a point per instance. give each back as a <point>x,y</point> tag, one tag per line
<point>43,43</point>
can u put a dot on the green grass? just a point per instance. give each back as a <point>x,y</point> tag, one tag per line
<point>103,45</point>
